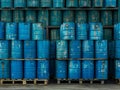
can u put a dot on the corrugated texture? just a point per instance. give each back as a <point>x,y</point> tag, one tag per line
<point>117,31</point>
<point>84,3</point>
<point>19,3</point>
<point>31,16</point>
<point>97,3</point>
<point>117,49</point>
<point>45,3</point>
<point>58,3</point>
<point>110,3</point>
<point>2,30</point>
<point>55,34</point>
<point>33,3</point>
<point>18,16</point>
<point>68,16</point>
<point>71,3</point>
<point>6,3</point>
<point>117,69</point>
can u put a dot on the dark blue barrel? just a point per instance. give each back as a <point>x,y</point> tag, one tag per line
<point>18,16</point>
<point>117,69</point>
<point>6,3</point>
<point>71,3</point>
<point>16,49</point>
<point>30,49</point>
<point>68,16</point>
<point>43,49</point>
<point>117,31</point>
<point>4,69</point>
<point>61,69</point>
<point>55,34</point>
<point>75,49</point>
<point>31,16</point>
<point>81,31</point>
<point>107,34</point>
<point>97,3</point>
<point>11,31</point>
<point>30,69</point>
<point>115,15</point>
<point>16,69</point>
<point>43,69</point>
<point>110,3</point>
<point>61,49</point>
<point>33,3</point>
<point>19,3</point>
<point>52,49</point>
<point>6,16</point>
<point>117,49</point>
<point>111,49</point>
<point>84,3</point>
<point>95,31</point>
<point>4,49</point>
<point>45,3</point>
<point>55,18</point>
<point>2,30</point>
<point>24,31</point>
<point>58,3</point>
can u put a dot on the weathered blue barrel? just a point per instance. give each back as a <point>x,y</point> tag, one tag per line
<point>68,16</point>
<point>4,69</point>
<point>97,3</point>
<point>6,16</point>
<point>117,69</point>
<point>117,31</point>
<point>33,3</point>
<point>55,18</point>
<point>107,34</point>
<point>31,16</point>
<point>58,3</point>
<point>16,49</point>
<point>30,69</point>
<point>4,49</point>
<point>24,31</point>
<point>80,17</point>
<point>115,17</point>
<point>16,69</point>
<point>117,49</point>
<point>2,30</point>
<point>45,3</point>
<point>75,49</point>
<point>95,31</point>
<point>93,16</point>
<point>43,49</point>
<point>71,3</point>
<point>111,49</point>
<point>43,69</point>
<point>110,3</point>
<point>30,49</point>
<point>55,34</point>
<point>74,69</point>
<point>6,3</point>
<point>19,3</point>
<point>52,49</point>
<point>67,31</point>
<point>18,16</point>
<point>106,18</point>
<point>11,31</point>
<point>61,69</point>
<point>84,3</point>
<point>81,31</point>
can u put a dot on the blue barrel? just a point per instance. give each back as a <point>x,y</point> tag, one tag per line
<point>2,30</point>
<point>43,49</point>
<point>111,49</point>
<point>110,3</point>
<point>4,49</point>
<point>81,31</point>
<point>84,3</point>
<point>31,16</point>
<point>108,34</point>
<point>117,69</point>
<point>95,31</point>
<point>75,49</point>
<point>16,49</point>
<point>16,69</point>
<point>30,49</point>
<point>97,3</point>
<point>115,17</point>
<point>52,49</point>
<point>6,3</point>
<point>19,3</point>
<point>52,68</point>
<point>61,49</point>
<point>46,3</point>
<point>68,16</point>
<point>55,18</point>
<point>55,34</point>
<point>117,49</point>
<point>18,16</point>
<point>117,31</point>
<point>24,31</point>
<point>58,3</point>
<point>33,3</point>
<point>71,3</point>
<point>11,31</point>
<point>43,69</point>
<point>67,31</point>
<point>6,16</point>
<point>4,69</point>
<point>61,69</point>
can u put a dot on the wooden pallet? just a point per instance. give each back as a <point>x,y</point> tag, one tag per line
<point>41,81</point>
<point>60,81</point>
<point>29,81</point>
<point>92,81</point>
<point>74,81</point>
<point>118,81</point>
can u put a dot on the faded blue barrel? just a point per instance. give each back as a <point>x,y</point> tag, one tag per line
<point>33,3</point>
<point>11,31</point>
<point>117,31</point>
<point>75,49</point>
<point>6,16</point>
<point>2,30</point>
<point>43,49</point>
<point>81,31</point>
<point>97,3</point>
<point>45,3</point>
<point>110,3</point>
<point>31,16</point>
<point>111,49</point>
<point>30,49</point>
<point>52,49</point>
<point>19,3</point>
<point>18,16</point>
<point>24,31</point>
<point>95,31</point>
<point>107,34</point>
<point>61,69</point>
<point>80,17</point>
<point>71,3</point>
<point>4,49</point>
<point>16,49</point>
<point>106,18</point>
<point>4,69</point>
<point>117,69</point>
<point>84,3</point>
<point>43,69</point>
<point>30,69</point>
<point>55,34</point>
<point>68,16</point>
<point>58,3</point>
<point>55,18</point>
<point>16,69</point>
<point>115,17</point>
<point>6,3</point>
<point>93,16</point>
<point>67,31</point>
<point>117,49</point>
<point>74,69</point>
<point>61,49</point>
